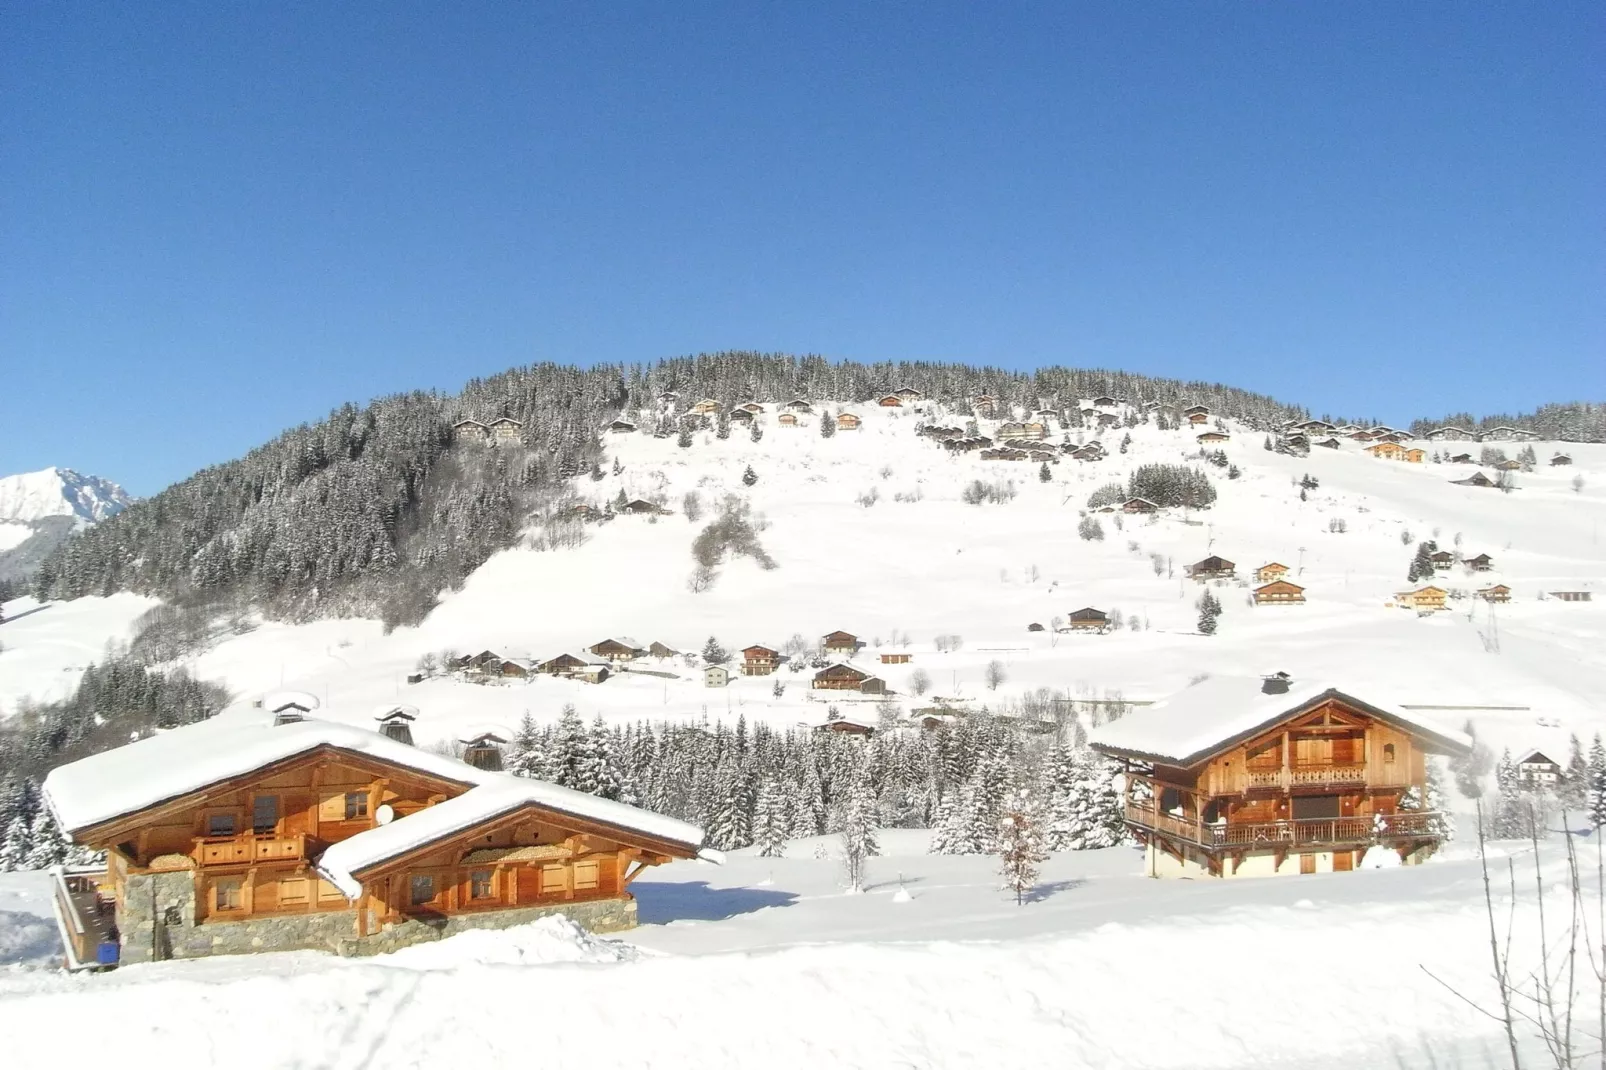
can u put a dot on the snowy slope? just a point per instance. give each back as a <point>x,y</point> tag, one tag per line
<point>59,492</point>
<point>1535,669</point>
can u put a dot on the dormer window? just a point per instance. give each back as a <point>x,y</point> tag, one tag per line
<point>356,805</point>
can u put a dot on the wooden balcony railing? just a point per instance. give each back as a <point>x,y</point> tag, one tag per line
<point>231,850</point>
<point>1316,776</point>
<point>86,923</point>
<point>1301,832</point>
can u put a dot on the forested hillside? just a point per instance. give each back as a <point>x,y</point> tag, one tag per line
<point>371,512</point>
<point>1577,421</point>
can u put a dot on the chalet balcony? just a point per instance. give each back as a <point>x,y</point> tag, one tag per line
<point>237,850</point>
<point>1301,832</point>
<point>85,919</point>
<point>1317,776</point>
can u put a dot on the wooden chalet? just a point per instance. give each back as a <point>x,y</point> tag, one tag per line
<point>1389,450</point>
<point>847,421</point>
<point>1196,410</point>
<point>662,650</point>
<point>1423,599</point>
<point>621,427</point>
<point>839,677</point>
<point>890,401</point>
<point>470,431</point>
<point>1560,459</point>
<point>1442,560</point>
<point>1507,466</point>
<point>1087,453</point>
<point>741,416</point>
<point>899,658</point>
<point>1480,563</point>
<point>1329,443</point>
<point>1505,434</point>
<point>706,407</point>
<point>1314,427</point>
<point>1087,619</point>
<point>1212,568</point>
<point>873,685</point>
<point>1572,596</point>
<point>760,661</point>
<point>238,834</point>
<point>1197,418</point>
<point>1462,458</point>
<point>786,419</point>
<point>1279,593</point>
<point>851,724</point>
<point>839,644</point>
<point>622,648</point>
<point>562,665</point>
<point>642,506</point>
<point>1239,777</point>
<point>1476,479</point>
<point>1139,505</point>
<point>909,394</point>
<point>1213,436</point>
<point>1449,434</point>
<point>505,429</point>
<point>754,407</point>
<point>1498,593</point>
<point>1271,572</point>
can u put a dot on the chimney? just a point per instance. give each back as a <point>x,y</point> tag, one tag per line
<point>289,714</point>
<point>396,722</point>
<point>1275,684</point>
<point>484,751</point>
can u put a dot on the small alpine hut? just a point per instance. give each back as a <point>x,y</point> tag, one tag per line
<point>1139,505</point>
<point>506,429</point>
<point>619,648</point>
<point>239,834</point>
<point>847,421</point>
<point>1271,572</point>
<point>1088,619</point>
<point>1238,777</point>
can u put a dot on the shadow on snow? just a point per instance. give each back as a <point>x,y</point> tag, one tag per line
<point>657,904</point>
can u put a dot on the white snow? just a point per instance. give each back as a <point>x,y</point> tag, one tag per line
<point>766,963</point>
<point>59,492</point>
<point>1208,714</point>
<point>44,648</point>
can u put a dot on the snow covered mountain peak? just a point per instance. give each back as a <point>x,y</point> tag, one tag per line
<point>34,496</point>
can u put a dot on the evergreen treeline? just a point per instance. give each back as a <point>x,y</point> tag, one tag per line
<point>372,511</point>
<point>1574,421</point>
<point>116,701</point>
<point>757,786</point>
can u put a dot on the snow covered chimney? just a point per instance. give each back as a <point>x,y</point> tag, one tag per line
<point>289,714</point>
<point>395,722</point>
<point>484,751</point>
<point>1275,684</point>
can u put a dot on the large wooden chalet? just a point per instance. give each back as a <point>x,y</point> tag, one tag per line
<point>264,831</point>
<point>1213,567</point>
<point>1237,777</point>
<point>759,660</point>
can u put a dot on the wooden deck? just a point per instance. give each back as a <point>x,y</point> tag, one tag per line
<point>1305,832</point>
<point>86,923</point>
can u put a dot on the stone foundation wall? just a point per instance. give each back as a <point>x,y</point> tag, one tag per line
<point>597,915</point>
<point>158,921</point>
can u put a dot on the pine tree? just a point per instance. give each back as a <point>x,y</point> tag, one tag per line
<point>827,424</point>
<point>1597,782</point>
<point>749,477</point>
<point>1511,819</point>
<point>14,846</point>
<point>722,428</point>
<point>527,756</point>
<point>1575,781</point>
<point>1209,612</point>
<point>1044,475</point>
<point>600,772</point>
<point>1059,795</point>
<point>1020,843</point>
<point>771,823</point>
<point>755,432</point>
<point>684,440</point>
<point>857,825</point>
<point>570,750</point>
<point>46,845</point>
<point>713,653</point>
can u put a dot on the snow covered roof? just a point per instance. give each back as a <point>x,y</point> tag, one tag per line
<point>126,780</point>
<point>1223,711</point>
<point>499,794</point>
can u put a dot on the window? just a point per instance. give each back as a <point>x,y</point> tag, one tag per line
<point>356,805</point>
<point>265,815</point>
<point>1388,752</point>
<point>421,889</point>
<point>228,894</point>
<point>220,825</point>
<point>479,884</point>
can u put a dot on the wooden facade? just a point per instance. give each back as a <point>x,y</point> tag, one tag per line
<point>840,643</point>
<point>760,661</point>
<point>1271,572</point>
<point>1088,620</point>
<point>1423,598</point>
<point>1279,593</point>
<point>1330,780</point>
<point>847,421</point>
<point>840,678</point>
<point>1212,568</point>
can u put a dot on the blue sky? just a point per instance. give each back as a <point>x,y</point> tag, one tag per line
<point>218,220</point>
